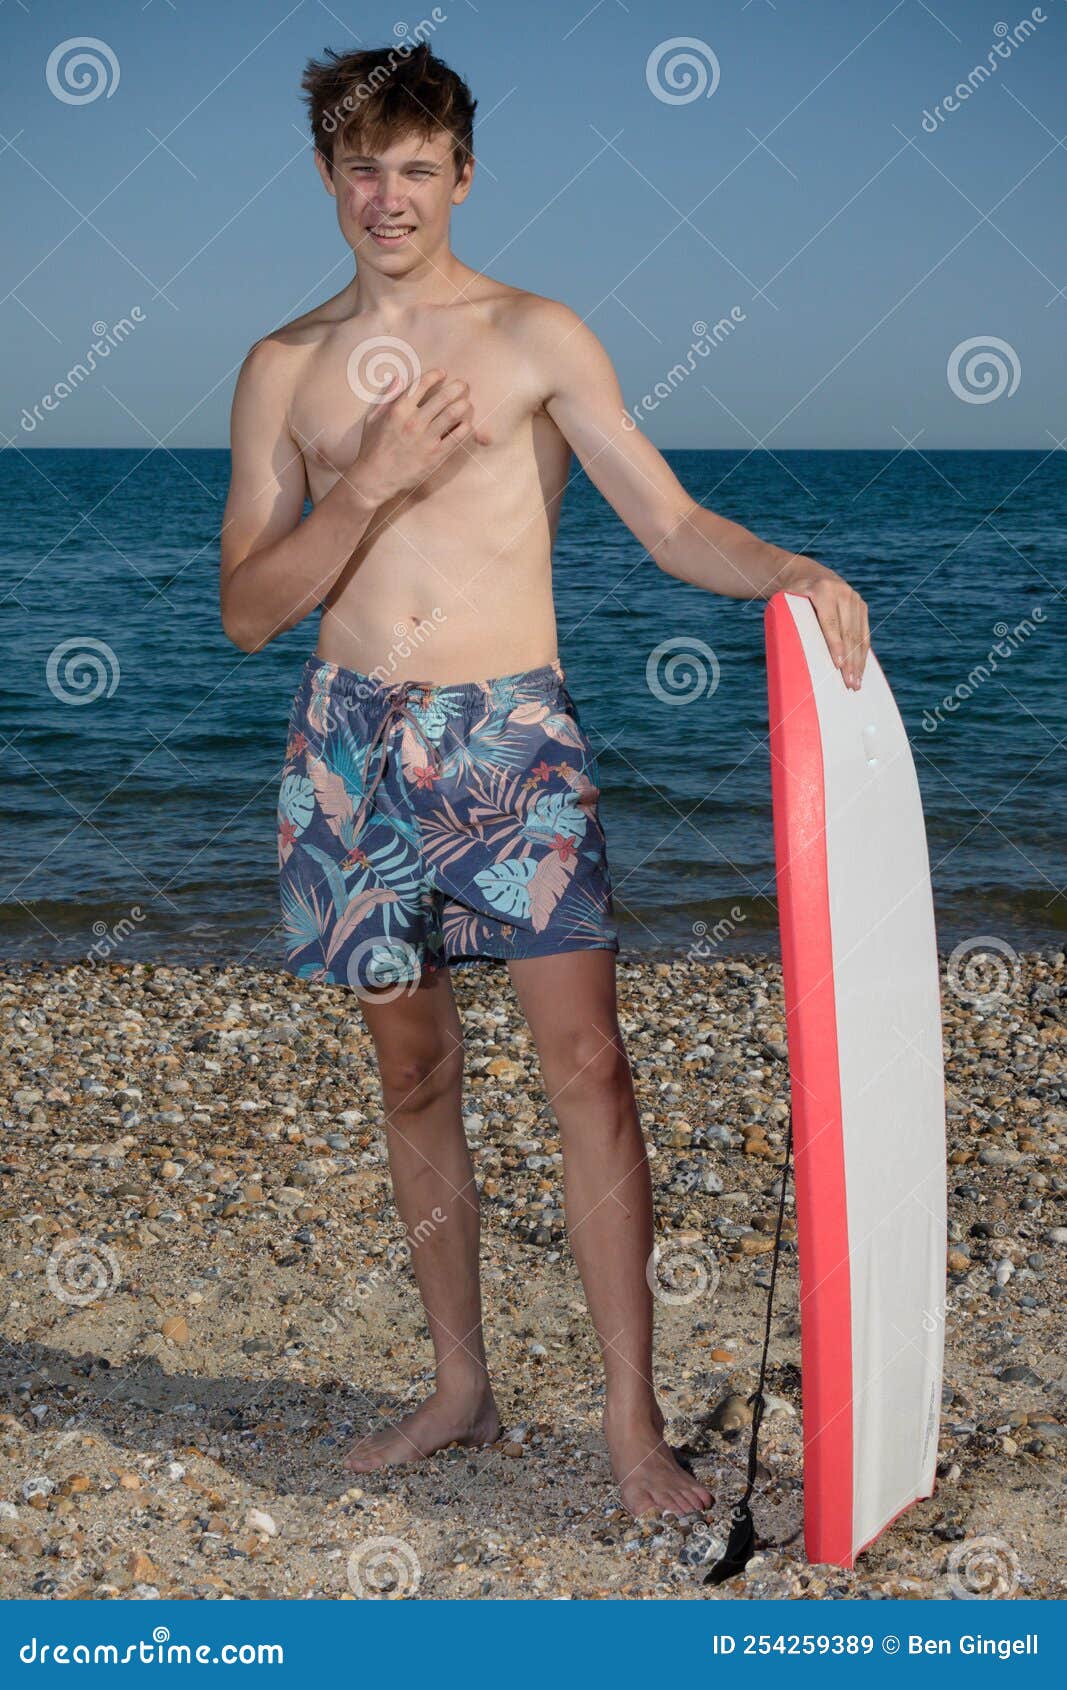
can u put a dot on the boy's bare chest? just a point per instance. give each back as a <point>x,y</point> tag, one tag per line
<point>343,380</point>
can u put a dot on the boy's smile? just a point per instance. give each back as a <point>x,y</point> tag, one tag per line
<point>398,200</point>
<point>391,234</point>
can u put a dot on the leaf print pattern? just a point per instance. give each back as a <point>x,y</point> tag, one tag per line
<point>331,795</point>
<point>556,812</point>
<point>481,838</point>
<point>506,885</point>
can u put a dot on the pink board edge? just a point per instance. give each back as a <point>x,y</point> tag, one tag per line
<point>799,807</point>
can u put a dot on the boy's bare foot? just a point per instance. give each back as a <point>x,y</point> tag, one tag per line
<point>650,1479</point>
<point>436,1423</point>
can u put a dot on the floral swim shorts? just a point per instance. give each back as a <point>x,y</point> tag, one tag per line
<point>423,826</point>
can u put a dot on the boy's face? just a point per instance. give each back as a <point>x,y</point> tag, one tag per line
<point>394,207</point>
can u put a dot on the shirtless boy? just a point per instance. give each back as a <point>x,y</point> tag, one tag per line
<point>438,805</point>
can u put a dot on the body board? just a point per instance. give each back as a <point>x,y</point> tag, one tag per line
<point>863,1020</point>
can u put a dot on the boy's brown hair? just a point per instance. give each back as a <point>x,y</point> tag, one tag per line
<point>369,97</point>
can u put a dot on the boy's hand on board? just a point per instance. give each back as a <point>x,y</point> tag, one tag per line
<point>841,612</point>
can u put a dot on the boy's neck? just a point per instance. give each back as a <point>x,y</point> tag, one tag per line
<point>436,280</point>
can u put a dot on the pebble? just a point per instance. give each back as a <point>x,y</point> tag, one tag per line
<point>731,1413</point>
<point>141,1567</point>
<point>776,1405</point>
<point>1050,1430</point>
<point>702,1548</point>
<point>257,1520</point>
<point>1019,1374</point>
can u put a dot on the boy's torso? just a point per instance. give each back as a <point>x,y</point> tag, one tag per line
<point>453,579</point>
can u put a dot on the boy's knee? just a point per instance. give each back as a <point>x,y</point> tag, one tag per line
<point>587,1060</point>
<point>417,1079</point>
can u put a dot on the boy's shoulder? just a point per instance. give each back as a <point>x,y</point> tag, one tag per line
<point>539,329</point>
<point>536,311</point>
<point>276,361</point>
<point>513,308</point>
<point>307,330</point>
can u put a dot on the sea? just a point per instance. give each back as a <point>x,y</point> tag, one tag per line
<point>141,750</point>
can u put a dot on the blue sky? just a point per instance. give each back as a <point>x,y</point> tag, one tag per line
<point>861,249</point>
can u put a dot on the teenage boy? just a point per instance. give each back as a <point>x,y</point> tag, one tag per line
<point>439,802</point>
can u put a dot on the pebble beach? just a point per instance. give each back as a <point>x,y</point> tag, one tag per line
<point>207,1297</point>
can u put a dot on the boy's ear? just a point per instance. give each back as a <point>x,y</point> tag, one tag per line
<point>325,172</point>
<point>463,181</point>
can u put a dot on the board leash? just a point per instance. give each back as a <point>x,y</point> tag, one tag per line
<point>741,1544</point>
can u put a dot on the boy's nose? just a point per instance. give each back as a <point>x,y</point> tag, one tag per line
<point>389,194</point>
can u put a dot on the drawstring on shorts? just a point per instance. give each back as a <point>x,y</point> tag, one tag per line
<point>396,711</point>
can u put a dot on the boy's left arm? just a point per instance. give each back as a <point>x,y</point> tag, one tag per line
<point>584,400</point>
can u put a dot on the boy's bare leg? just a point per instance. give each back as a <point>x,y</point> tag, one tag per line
<point>419,1043</point>
<point>570,1003</point>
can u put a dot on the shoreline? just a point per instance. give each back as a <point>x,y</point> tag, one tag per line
<point>209,1139</point>
<point>755,945</point>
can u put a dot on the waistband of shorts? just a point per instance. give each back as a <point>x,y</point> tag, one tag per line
<point>546,678</point>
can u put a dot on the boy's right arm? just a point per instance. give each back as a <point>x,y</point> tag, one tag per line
<point>275,568</point>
